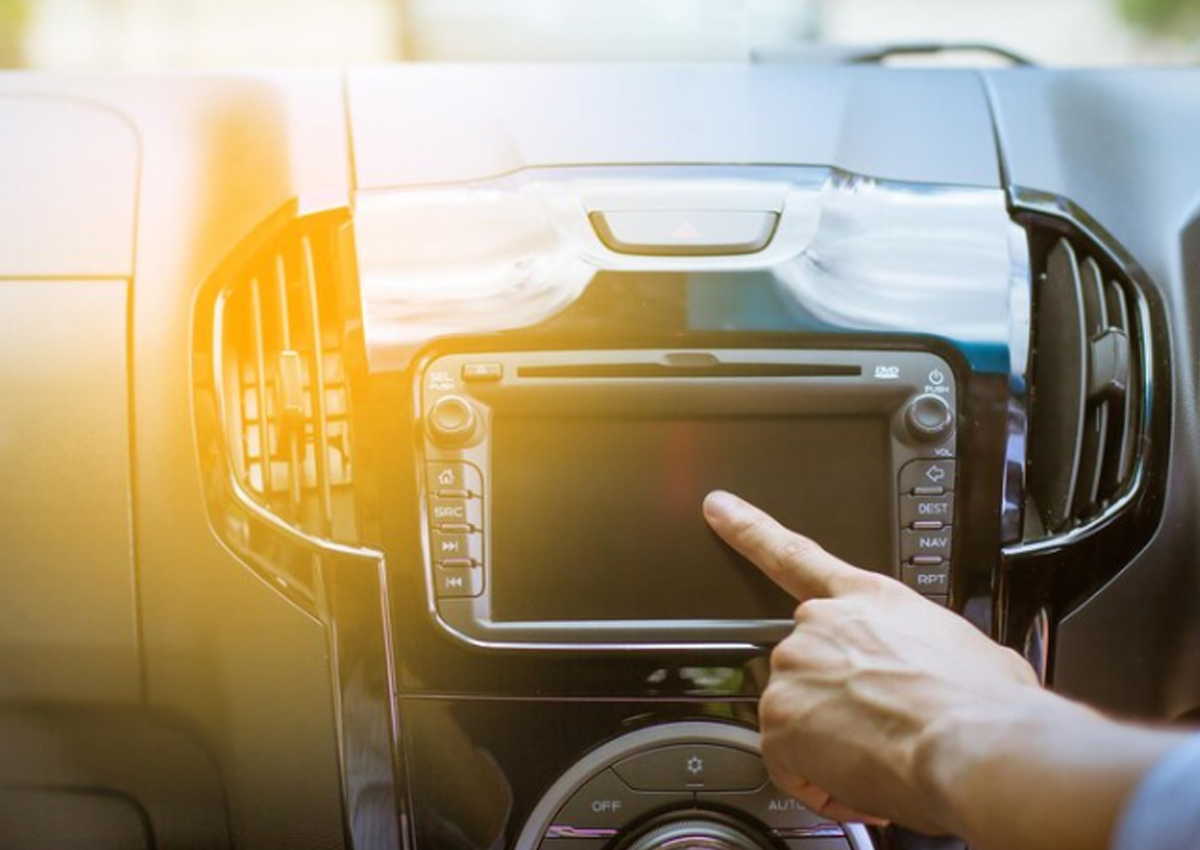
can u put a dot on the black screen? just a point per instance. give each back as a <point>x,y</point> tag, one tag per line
<point>600,519</point>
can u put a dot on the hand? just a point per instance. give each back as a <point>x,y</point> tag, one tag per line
<point>865,685</point>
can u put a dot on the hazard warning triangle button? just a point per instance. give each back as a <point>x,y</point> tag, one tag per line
<point>685,232</point>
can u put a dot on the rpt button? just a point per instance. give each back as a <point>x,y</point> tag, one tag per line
<point>693,766</point>
<point>930,579</point>
<point>605,802</point>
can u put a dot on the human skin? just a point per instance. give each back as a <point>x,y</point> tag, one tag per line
<point>883,706</point>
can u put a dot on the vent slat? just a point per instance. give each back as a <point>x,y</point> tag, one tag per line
<point>290,434</point>
<point>317,371</point>
<point>1095,429</point>
<point>286,390</point>
<point>1059,385</point>
<point>258,329</point>
<point>1086,396</point>
<point>1122,415</point>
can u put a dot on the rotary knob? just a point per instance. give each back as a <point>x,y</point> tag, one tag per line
<point>929,418</point>
<point>695,834</point>
<point>451,421</point>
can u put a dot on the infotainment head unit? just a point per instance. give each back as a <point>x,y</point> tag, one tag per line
<point>562,489</point>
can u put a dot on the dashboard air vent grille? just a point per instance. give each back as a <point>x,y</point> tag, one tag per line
<point>283,383</point>
<point>1087,388</point>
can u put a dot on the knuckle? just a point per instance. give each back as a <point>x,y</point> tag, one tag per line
<point>827,808</point>
<point>748,525</point>
<point>817,610</point>
<point>788,653</point>
<point>796,549</point>
<point>772,712</point>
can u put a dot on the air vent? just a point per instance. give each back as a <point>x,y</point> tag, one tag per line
<point>1087,399</point>
<point>281,381</point>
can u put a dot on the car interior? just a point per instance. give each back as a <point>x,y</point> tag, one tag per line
<point>355,424</point>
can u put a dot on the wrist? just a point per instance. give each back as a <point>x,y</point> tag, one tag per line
<point>962,751</point>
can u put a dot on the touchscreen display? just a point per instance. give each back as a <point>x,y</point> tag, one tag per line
<point>600,519</point>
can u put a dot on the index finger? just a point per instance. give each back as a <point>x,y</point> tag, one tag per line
<point>794,562</point>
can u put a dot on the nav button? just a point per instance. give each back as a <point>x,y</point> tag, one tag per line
<point>918,543</point>
<point>694,766</point>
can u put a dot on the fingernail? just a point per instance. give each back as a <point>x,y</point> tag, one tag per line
<point>719,505</point>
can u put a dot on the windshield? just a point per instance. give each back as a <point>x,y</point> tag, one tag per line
<point>138,34</point>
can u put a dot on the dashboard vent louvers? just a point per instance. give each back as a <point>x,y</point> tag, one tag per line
<point>283,383</point>
<point>1087,388</point>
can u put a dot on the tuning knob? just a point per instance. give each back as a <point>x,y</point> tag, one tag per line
<point>695,834</point>
<point>929,418</point>
<point>451,421</point>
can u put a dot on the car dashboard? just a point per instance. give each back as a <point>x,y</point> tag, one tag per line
<point>355,428</point>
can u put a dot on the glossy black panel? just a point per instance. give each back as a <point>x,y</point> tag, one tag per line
<point>1059,577</point>
<point>478,767</point>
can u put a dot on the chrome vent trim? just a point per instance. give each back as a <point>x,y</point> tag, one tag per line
<point>272,379</point>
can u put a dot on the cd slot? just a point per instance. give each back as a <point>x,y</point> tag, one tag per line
<point>619,371</point>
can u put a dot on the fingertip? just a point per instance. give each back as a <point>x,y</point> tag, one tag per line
<point>720,506</point>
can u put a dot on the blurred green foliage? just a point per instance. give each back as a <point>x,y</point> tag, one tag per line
<point>1162,15</point>
<point>13,12</point>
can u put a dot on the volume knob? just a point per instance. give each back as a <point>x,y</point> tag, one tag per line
<point>929,418</point>
<point>451,421</point>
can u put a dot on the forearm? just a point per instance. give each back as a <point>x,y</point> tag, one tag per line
<point>1038,772</point>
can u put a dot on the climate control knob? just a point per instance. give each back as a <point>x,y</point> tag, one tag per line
<point>695,834</point>
<point>451,421</point>
<point>929,418</point>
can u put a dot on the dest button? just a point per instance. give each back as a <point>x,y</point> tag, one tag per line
<point>605,802</point>
<point>927,509</point>
<point>693,766</point>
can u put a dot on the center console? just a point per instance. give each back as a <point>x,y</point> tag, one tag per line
<point>578,657</point>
